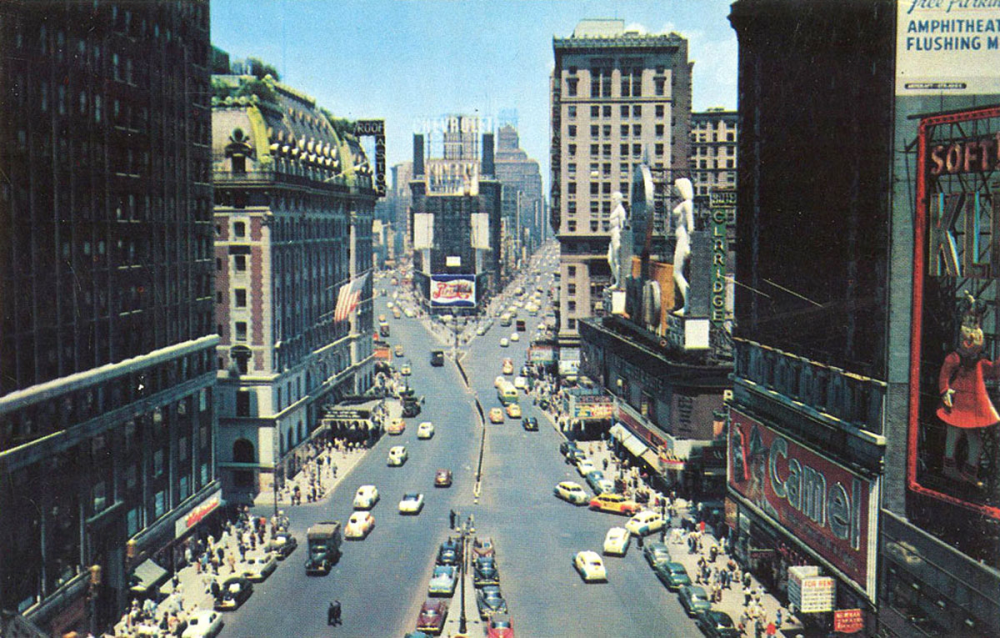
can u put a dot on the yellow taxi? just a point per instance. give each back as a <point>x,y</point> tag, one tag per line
<point>496,415</point>
<point>399,350</point>
<point>514,411</point>
<point>614,503</point>
<point>508,366</point>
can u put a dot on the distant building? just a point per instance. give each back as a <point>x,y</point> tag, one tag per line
<point>294,203</point>
<point>107,346</point>
<point>714,134</point>
<point>617,97</point>
<point>400,198</point>
<point>523,201</point>
<point>455,219</point>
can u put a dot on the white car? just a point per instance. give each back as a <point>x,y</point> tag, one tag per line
<point>397,455</point>
<point>645,522</point>
<point>521,383</point>
<point>571,493</point>
<point>585,467</point>
<point>259,567</point>
<point>409,313</point>
<point>616,542</point>
<point>590,565</point>
<point>203,623</point>
<point>359,525</point>
<point>504,343</point>
<point>498,381</point>
<point>425,430</point>
<point>412,503</point>
<point>515,337</point>
<point>366,497</point>
<point>389,305</point>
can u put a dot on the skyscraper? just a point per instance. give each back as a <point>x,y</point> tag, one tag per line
<point>523,204</point>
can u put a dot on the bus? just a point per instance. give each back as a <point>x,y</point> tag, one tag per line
<point>506,392</point>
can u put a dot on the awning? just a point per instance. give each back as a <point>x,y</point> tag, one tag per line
<point>652,458</point>
<point>617,431</point>
<point>634,445</point>
<point>147,577</point>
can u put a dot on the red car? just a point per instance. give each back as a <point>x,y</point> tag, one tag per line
<point>442,478</point>
<point>499,626</point>
<point>432,614</point>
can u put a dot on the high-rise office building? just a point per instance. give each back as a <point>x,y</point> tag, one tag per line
<point>523,203</point>
<point>617,97</point>
<point>107,423</point>
<point>714,134</point>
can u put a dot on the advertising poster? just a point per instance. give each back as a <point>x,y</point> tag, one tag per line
<point>453,291</point>
<point>954,444</point>
<point>825,505</point>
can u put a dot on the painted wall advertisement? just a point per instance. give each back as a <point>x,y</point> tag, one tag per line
<point>954,427</point>
<point>824,505</point>
<point>453,291</point>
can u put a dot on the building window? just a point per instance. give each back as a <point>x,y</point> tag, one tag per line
<point>160,504</point>
<point>240,263</point>
<point>571,271</point>
<point>241,331</point>
<point>659,130</point>
<point>99,497</point>
<point>571,208</point>
<point>595,188</point>
<point>239,164</point>
<point>572,150</point>
<point>571,323</point>
<point>624,111</point>
<point>595,111</point>
<point>241,297</point>
<point>571,130</point>
<point>158,463</point>
<point>133,522</point>
<point>595,131</point>
<point>571,112</point>
<point>658,85</point>
<point>624,132</point>
<point>571,86</point>
<point>571,289</point>
<point>571,188</point>
<point>607,130</point>
<point>637,150</point>
<point>607,150</point>
<point>571,306</point>
<point>571,226</point>
<point>239,229</point>
<point>242,403</point>
<point>658,150</point>
<point>660,110</point>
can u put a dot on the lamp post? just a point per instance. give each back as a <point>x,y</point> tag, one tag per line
<point>93,586</point>
<point>462,622</point>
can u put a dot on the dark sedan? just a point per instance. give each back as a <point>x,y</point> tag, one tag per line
<point>450,553</point>
<point>694,600</point>
<point>283,545</point>
<point>485,572</point>
<point>432,615</point>
<point>490,601</point>
<point>442,478</point>
<point>530,423</point>
<point>656,552</point>
<point>673,575</point>
<point>717,624</point>
<point>233,593</point>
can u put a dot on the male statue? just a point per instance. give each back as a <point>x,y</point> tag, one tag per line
<point>617,221</point>
<point>683,225</point>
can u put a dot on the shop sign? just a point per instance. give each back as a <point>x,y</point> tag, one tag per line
<point>732,513</point>
<point>826,506</point>
<point>848,621</point>
<point>592,407</point>
<point>542,353</point>
<point>197,514</point>
<point>816,595</point>
<point>721,204</point>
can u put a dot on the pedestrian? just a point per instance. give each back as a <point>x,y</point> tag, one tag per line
<point>777,619</point>
<point>451,519</point>
<point>639,541</point>
<point>771,630</point>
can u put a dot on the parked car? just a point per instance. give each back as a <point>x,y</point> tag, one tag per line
<point>450,552</point>
<point>397,455</point>
<point>398,351</point>
<point>643,523</point>
<point>485,572</point>
<point>411,503</point>
<point>234,592</point>
<point>530,424</point>
<point>499,626</point>
<point>432,615</point>
<point>490,601</point>
<point>672,574</point>
<point>571,492</point>
<point>585,467</point>
<point>599,483</point>
<point>203,623</point>
<point>396,427</point>
<point>615,503</point>
<point>566,446</point>
<point>694,600</point>
<point>590,566</point>
<point>366,497</point>
<point>359,525</point>
<point>405,369</point>
<point>425,430</point>
<point>483,546</point>
<point>656,552</point>
<point>616,541</point>
<point>717,624</point>
<point>442,478</point>
<point>282,545</point>
<point>442,581</point>
<point>259,567</point>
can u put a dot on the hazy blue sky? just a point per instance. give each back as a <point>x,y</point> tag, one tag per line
<point>406,60</point>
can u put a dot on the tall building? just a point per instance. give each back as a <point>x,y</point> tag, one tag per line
<point>863,441</point>
<point>617,97</point>
<point>455,218</point>
<point>294,203</point>
<point>714,134</point>
<point>400,198</point>
<point>523,203</point>
<point>107,422</point>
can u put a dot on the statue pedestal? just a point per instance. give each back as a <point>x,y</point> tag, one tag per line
<point>614,301</point>
<point>688,333</point>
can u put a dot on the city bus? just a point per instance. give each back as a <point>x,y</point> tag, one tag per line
<point>506,392</point>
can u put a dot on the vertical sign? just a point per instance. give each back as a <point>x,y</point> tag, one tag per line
<point>376,129</point>
<point>721,204</point>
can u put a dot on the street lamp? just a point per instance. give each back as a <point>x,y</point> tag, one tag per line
<point>462,628</point>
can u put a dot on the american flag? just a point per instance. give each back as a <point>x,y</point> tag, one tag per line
<point>348,298</point>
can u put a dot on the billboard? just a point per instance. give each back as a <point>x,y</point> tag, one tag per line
<point>954,425</point>
<point>591,407</point>
<point>545,354</point>
<point>825,505</point>
<point>453,291</point>
<point>423,231</point>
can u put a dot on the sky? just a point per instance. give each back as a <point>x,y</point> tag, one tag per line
<point>407,61</point>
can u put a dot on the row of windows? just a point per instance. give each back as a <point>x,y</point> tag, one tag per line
<point>601,85</point>
<point>624,111</point>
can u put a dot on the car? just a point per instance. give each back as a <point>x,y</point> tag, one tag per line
<point>498,381</point>
<point>395,314</point>
<point>508,366</point>
<point>616,541</point>
<point>590,565</point>
<point>442,581</point>
<point>431,617</point>
<point>203,623</point>
<point>442,478</point>
<point>585,466</point>
<point>484,571</point>
<point>408,312</point>
<point>614,503</point>
<point>571,493</point>
<point>411,503</point>
<point>425,430</point>
<point>504,343</point>
<point>450,552</point>
<point>515,337</point>
<point>672,574</point>
<point>397,455</point>
<point>359,525</point>
<point>396,427</point>
<point>405,369</point>
<point>481,329</point>
<point>514,411</point>
<point>389,304</point>
<point>656,552</point>
<point>490,601</point>
<point>259,567</point>
<point>398,350</point>
<point>643,523</point>
<point>530,424</point>
<point>483,546</point>
<point>499,626</point>
<point>694,600</point>
<point>717,624</point>
<point>437,358</point>
<point>521,383</point>
<point>496,415</point>
<point>283,544</point>
<point>599,483</point>
<point>366,497</point>
<point>568,446</point>
<point>234,592</point>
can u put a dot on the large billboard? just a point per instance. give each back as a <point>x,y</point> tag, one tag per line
<point>453,291</point>
<point>825,505</point>
<point>954,435</point>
